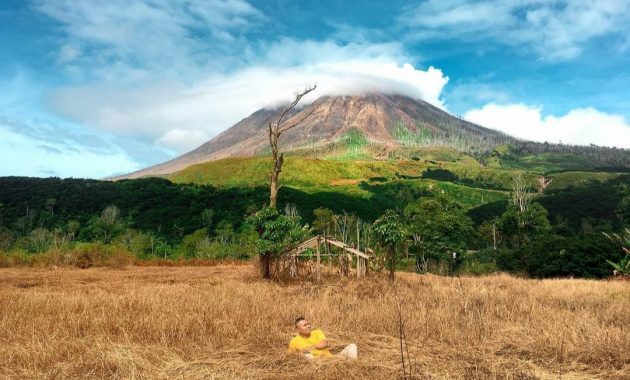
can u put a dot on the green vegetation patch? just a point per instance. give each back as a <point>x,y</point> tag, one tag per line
<point>406,137</point>
<point>542,163</point>
<point>296,172</point>
<point>578,178</point>
<point>354,140</point>
<point>434,153</point>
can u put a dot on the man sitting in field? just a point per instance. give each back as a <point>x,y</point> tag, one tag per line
<point>312,343</point>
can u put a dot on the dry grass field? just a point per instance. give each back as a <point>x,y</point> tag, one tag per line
<point>223,323</point>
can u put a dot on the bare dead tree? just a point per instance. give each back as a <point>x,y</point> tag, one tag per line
<point>422,262</point>
<point>276,129</point>
<point>522,195</point>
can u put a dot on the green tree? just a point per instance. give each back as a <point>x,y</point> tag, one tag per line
<point>135,242</point>
<point>193,245</point>
<point>104,227</point>
<point>72,227</point>
<point>276,235</point>
<point>324,221</point>
<point>390,232</point>
<point>39,240</point>
<point>521,227</point>
<point>489,232</point>
<point>623,210</point>
<point>50,206</point>
<point>438,227</point>
<point>557,256</point>
<point>224,232</point>
<point>6,239</point>
<point>206,218</point>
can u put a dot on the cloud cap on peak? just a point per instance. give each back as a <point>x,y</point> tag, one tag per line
<point>162,112</point>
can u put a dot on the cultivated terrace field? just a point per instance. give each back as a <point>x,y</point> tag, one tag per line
<point>222,322</point>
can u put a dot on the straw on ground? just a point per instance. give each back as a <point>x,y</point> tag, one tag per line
<point>223,322</point>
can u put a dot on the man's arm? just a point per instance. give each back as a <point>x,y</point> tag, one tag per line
<point>323,344</point>
<point>293,347</point>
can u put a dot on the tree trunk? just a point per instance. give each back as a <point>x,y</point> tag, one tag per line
<point>265,266</point>
<point>392,265</point>
<point>278,159</point>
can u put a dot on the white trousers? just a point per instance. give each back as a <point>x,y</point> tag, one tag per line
<point>350,351</point>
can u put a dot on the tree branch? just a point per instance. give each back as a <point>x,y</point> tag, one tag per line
<point>312,112</point>
<point>294,103</point>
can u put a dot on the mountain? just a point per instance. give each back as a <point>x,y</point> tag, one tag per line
<point>383,120</point>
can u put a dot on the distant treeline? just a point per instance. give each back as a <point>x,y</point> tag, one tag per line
<point>156,205</point>
<point>560,234</point>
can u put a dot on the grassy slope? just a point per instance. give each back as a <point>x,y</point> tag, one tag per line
<point>577,178</point>
<point>345,169</point>
<point>297,172</point>
<point>541,163</point>
<point>378,180</point>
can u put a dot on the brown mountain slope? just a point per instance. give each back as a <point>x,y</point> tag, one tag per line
<point>375,115</point>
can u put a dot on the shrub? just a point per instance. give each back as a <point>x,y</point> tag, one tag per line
<point>119,259</point>
<point>194,245</point>
<point>50,258</point>
<point>480,262</point>
<point>5,260</point>
<point>478,269</point>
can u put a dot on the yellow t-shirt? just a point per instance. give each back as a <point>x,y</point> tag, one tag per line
<point>299,343</point>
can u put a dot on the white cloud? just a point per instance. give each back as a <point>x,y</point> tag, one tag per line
<point>162,111</point>
<point>582,126</point>
<point>182,140</point>
<point>118,38</point>
<point>554,30</point>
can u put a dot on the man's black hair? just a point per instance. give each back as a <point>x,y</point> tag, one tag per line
<point>298,320</point>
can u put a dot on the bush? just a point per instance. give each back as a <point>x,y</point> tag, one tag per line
<point>439,174</point>
<point>97,255</point>
<point>194,245</point>
<point>5,260</point>
<point>119,259</point>
<point>480,262</point>
<point>406,264</point>
<point>15,258</point>
<point>49,259</point>
<point>476,268</point>
<point>86,256</point>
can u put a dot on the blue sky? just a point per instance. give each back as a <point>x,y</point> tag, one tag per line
<point>93,88</point>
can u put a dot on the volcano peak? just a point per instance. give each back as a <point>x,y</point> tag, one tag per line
<point>382,119</point>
